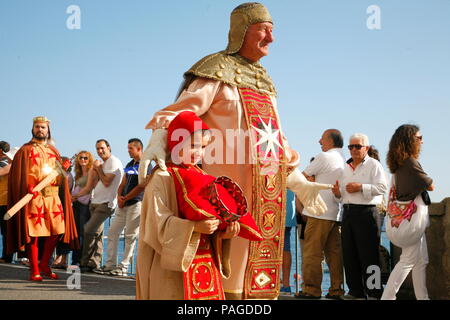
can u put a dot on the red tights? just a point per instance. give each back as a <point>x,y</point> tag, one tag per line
<point>33,254</point>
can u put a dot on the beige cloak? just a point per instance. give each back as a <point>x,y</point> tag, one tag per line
<point>167,243</point>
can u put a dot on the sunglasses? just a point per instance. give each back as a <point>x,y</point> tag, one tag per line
<point>357,146</point>
<point>419,138</point>
<point>83,158</point>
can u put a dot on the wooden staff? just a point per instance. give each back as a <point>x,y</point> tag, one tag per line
<point>22,202</point>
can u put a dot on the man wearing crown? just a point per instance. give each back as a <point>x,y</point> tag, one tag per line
<point>49,213</point>
<point>232,93</point>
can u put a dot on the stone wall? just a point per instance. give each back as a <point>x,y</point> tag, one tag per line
<point>438,241</point>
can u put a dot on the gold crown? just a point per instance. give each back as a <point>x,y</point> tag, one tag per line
<point>41,119</point>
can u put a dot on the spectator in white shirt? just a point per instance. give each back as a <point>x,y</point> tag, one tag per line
<point>106,178</point>
<point>322,236</point>
<point>362,182</point>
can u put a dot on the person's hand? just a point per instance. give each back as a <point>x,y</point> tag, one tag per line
<point>353,187</point>
<point>121,201</point>
<point>97,164</point>
<point>304,218</point>
<point>207,226</point>
<point>75,198</point>
<point>336,190</point>
<point>231,231</point>
<point>156,150</point>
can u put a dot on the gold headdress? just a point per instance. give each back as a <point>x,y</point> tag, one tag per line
<point>227,66</point>
<point>41,119</point>
<point>241,18</point>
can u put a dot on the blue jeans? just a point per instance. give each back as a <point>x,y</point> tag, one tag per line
<point>82,215</point>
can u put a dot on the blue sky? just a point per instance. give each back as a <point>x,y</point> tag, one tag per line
<point>107,79</point>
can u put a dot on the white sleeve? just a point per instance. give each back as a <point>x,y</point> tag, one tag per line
<point>316,166</point>
<point>113,166</point>
<point>378,185</point>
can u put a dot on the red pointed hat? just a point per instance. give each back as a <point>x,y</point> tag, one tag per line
<point>182,126</point>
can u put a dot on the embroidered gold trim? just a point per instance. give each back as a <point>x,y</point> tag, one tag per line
<point>210,270</point>
<point>250,229</point>
<point>265,255</point>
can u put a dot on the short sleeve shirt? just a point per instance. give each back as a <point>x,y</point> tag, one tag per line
<point>131,181</point>
<point>327,167</point>
<point>108,194</point>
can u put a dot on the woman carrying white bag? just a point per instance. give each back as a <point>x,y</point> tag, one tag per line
<point>407,216</point>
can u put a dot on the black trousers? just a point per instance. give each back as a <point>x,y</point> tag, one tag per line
<point>359,234</point>
<point>5,256</point>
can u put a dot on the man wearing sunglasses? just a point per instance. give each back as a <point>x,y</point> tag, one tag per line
<point>362,181</point>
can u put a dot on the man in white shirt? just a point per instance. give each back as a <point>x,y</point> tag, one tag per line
<point>321,235</point>
<point>363,180</point>
<point>106,178</point>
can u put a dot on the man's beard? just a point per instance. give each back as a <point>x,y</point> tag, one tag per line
<point>40,138</point>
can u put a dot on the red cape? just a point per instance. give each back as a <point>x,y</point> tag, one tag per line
<point>17,228</point>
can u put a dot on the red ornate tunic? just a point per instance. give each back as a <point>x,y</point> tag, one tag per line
<point>202,280</point>
<point>46,216</point>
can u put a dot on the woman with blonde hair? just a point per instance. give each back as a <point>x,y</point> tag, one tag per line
<point>83,164</point>
<point>408,211</point>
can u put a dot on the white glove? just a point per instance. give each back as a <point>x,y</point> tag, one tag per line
<point>155,150</point>
<point>308,192</point>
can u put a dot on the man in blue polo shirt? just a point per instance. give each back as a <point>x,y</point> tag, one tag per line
<point>129,197</point>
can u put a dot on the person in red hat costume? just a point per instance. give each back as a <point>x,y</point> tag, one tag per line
<point>188,218</point>
<point>49,213</point>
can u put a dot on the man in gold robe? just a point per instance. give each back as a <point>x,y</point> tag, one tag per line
<point>233,94</point>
